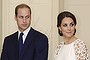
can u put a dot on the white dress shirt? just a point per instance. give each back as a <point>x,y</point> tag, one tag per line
<point>25,33</point>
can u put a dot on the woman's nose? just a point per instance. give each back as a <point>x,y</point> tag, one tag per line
<point>69,28</point>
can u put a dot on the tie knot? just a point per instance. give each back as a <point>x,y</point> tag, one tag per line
<point>21,34</point>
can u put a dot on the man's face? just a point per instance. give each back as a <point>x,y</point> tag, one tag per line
<point>23,18</point>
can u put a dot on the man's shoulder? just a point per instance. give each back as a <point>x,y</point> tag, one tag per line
<point>12,35</point>
<point>37,33</point>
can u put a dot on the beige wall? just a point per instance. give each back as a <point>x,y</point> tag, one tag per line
<point>0,25</point>
<point>81,9</point>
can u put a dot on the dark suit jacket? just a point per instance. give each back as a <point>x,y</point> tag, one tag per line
<point>35,47</point>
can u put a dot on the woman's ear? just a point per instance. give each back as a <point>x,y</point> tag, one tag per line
<point>59,28</point>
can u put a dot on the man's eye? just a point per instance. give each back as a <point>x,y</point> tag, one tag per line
<point>64,25</point>
<point>27,17</point>
<point>20,16</point>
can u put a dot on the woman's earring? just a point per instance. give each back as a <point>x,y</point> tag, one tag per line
<point>60,31</point>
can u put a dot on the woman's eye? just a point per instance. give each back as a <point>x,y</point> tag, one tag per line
<point>64,25</point>
<point>71,24</point>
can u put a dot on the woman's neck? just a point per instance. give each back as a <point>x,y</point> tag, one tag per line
<point>69,40</point>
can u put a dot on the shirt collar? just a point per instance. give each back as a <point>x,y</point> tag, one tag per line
<point>25,32</point>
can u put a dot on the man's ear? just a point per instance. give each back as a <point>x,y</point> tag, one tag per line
<point>15,18</point>
<point>75,26</point>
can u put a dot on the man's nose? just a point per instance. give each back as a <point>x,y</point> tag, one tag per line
<point>24,19</point>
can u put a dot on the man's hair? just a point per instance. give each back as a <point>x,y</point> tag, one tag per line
<point>21,6</point>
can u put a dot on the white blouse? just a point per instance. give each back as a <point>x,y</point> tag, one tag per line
<point>77,50</point>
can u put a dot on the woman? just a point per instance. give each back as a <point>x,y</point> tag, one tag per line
<point>71,48</point>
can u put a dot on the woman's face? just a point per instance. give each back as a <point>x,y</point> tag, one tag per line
<point>67,27</point>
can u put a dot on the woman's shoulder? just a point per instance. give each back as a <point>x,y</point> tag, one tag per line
<point>58,48</point>
<point>81,50</point>
<point>79,42</point>
<point>60,45</point>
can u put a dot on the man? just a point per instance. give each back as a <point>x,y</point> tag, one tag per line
<point>26,43</point>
